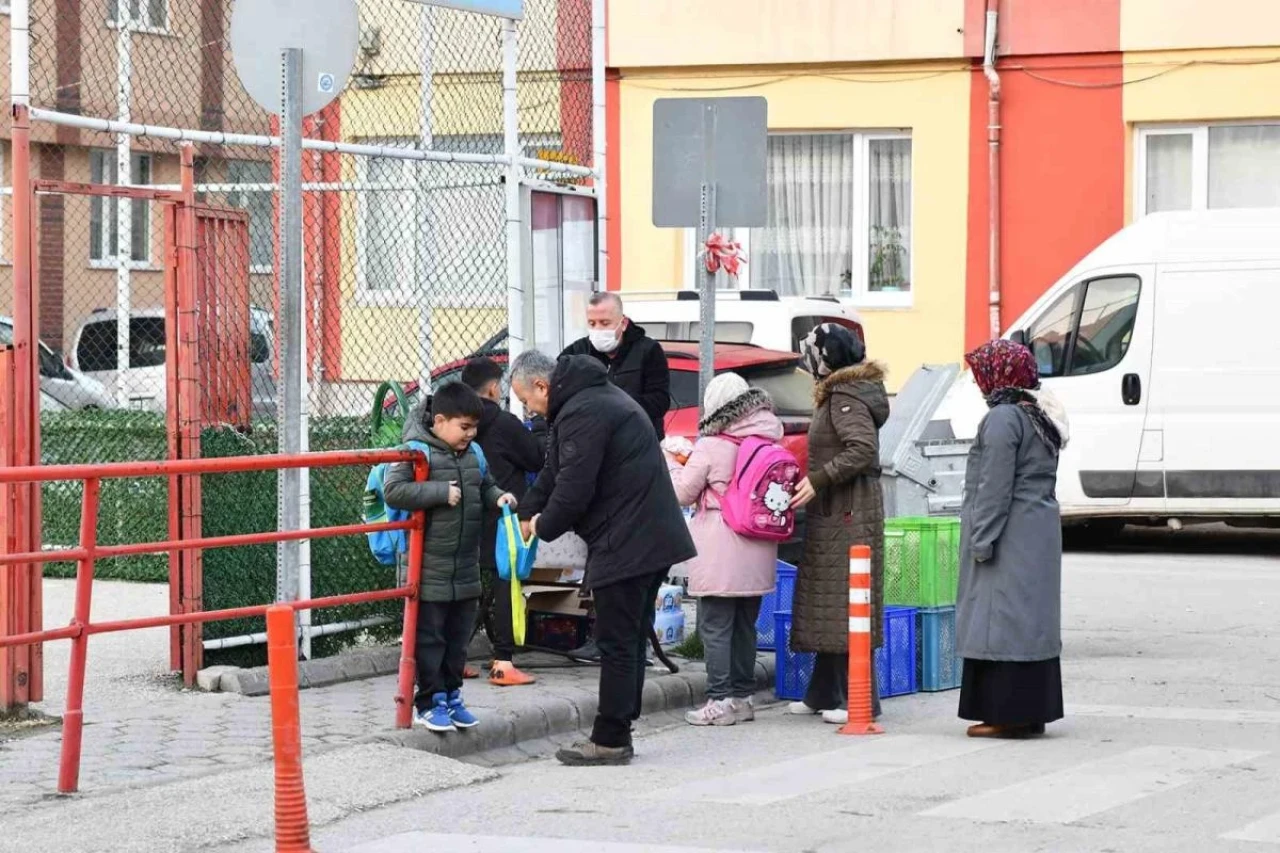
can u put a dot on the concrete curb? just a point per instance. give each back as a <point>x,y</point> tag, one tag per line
<point>567,710</point>
<point>323,672</point>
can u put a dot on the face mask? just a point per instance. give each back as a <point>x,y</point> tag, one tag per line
<point>605,340</point>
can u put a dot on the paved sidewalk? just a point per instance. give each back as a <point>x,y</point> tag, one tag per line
<point>142,730</point>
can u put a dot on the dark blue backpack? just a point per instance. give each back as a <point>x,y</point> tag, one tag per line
<point>386,545</point>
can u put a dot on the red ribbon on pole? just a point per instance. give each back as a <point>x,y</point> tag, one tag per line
<point>722,253</point>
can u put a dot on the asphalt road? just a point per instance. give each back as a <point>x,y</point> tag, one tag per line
<point>1172,743</point>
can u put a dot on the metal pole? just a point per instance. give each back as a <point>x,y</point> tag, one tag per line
<point>304,474</point>
<point>707,298</point>
<point>599,141</point>
<point>124,206</point>
<point>291,355</point>
<point>428,249</point>
<point>511,147</point>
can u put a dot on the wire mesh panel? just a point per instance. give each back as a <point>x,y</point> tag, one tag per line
<point>405,260</point>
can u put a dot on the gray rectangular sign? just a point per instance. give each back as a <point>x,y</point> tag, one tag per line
<point>718,141</point>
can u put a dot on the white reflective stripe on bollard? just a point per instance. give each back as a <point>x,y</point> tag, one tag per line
<point>859,596</point>
<point>859,567</point>
<point>859,624</point>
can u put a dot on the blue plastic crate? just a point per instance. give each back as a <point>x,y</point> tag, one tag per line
<point>938,666</point>
<point>778,600</point>
<point>896,659</point>
<point>793,669</point>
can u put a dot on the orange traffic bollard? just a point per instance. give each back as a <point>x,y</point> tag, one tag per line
<point>293,830</point>
<point>860,611</point>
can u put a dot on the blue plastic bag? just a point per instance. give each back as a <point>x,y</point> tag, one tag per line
<point>510,551</point>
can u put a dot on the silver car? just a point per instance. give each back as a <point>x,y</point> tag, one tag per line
<point>61,387</point>
<point>142,385</point>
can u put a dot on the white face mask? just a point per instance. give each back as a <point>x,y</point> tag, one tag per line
<point>605,340</point>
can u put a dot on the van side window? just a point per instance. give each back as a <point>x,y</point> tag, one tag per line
<point>1088,329</point>
<point>1050,335</point>
<point>1105,325</point>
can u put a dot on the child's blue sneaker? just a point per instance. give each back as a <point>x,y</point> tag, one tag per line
<point>458,713</point>
<point>436,718</point>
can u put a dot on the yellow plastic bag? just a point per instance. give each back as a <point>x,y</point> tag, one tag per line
<point>520,555</point>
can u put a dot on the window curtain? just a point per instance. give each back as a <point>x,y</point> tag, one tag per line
<point>1244,166</point>
<point>806,247</point>
<point>889,214</point>
<point>1168,172</point>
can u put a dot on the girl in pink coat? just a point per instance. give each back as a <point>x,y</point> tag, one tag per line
<point>731,573</point>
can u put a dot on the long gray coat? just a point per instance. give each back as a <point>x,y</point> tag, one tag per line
<point>1009,605</point>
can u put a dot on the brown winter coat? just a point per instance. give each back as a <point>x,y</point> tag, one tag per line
<point>844,468</point>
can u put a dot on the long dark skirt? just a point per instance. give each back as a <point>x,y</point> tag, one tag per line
<point>1011,693</point>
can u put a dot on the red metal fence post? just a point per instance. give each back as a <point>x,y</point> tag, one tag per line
<point>73,719</point>
<point>12,660</point>
<point>408,639</point>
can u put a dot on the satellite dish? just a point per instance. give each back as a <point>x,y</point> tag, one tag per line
<point>326,31</point>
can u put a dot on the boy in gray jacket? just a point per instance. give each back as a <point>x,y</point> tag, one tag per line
<point>455,495</point>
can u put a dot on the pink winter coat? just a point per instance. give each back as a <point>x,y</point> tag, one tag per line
<point>727,564</point>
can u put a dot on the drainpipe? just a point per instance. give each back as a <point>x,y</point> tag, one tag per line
<point>993,166</point>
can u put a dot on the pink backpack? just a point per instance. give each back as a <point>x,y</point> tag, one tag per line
<point>757,503</point>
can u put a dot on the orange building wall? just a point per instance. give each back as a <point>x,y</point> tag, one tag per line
<point>1062,176</point>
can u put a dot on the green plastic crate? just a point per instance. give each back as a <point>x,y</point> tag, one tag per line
<point>921,561</point>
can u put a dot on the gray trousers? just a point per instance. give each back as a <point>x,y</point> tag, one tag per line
<point>728,630</point>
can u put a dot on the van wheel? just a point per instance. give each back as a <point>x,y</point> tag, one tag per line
<point>1093,534</point>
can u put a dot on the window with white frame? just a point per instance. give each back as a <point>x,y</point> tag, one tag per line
<point>257,200</point>
<point>143,14</point>
<point>104,224</point>
<point>839,219</point>
<point>401,249</point>
<point>1209,166</point>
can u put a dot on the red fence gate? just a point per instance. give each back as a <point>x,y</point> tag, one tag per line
<point>208,341</point>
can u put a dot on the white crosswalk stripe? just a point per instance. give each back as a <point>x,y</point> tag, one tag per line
<point>416,842</point>
<point>1096,786</point>
<point>867,758</point>
<point>1264,831</point>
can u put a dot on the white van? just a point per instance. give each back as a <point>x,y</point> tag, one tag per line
<point>1162,344</point>
<point>757,317</point>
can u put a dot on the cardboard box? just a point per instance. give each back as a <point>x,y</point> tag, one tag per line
<point>562,576</point>
<point>670,599</point>
<point>669,627</point>
<point>557,618</point>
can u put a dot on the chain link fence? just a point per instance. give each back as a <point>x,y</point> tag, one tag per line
<point>404,260</point>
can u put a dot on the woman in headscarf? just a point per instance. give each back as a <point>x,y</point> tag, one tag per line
<point>1008,609</point>
<point>845,508</point>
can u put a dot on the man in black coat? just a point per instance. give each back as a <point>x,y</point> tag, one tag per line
<point>606,480</point>
<point>635,362</point>
<point>513,453</point>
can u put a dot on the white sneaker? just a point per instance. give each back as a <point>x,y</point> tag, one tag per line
<point>743,710</point>
<point>838,717</point>
<point>717,712</point>
<point>799,709</point>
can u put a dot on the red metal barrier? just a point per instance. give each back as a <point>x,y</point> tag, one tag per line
<point>88,552</point>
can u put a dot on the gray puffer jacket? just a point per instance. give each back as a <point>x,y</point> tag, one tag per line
<point>450,562</point>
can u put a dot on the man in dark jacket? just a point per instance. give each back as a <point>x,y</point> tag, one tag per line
<point>606,480</point>
<point>635,362</point>
<point>513,453</point>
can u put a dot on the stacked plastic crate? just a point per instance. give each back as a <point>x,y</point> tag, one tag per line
<point>921,569</point>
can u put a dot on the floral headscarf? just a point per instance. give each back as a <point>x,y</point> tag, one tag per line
<point>1007,373</point>
<point>829,348</point>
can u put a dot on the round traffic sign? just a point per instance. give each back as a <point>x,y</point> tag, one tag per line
<point>326,31</point>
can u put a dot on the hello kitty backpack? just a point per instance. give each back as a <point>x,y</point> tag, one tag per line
<point>757,503</point>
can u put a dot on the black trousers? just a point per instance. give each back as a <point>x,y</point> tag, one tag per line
<point>444,632</point>
<point>624,618</point>
<point>504,639</point>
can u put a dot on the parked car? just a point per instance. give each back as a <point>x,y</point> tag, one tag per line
<point>1160,345</point>
<point>142,385</point>
<point>759,317</point>
<point>61,388</point>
